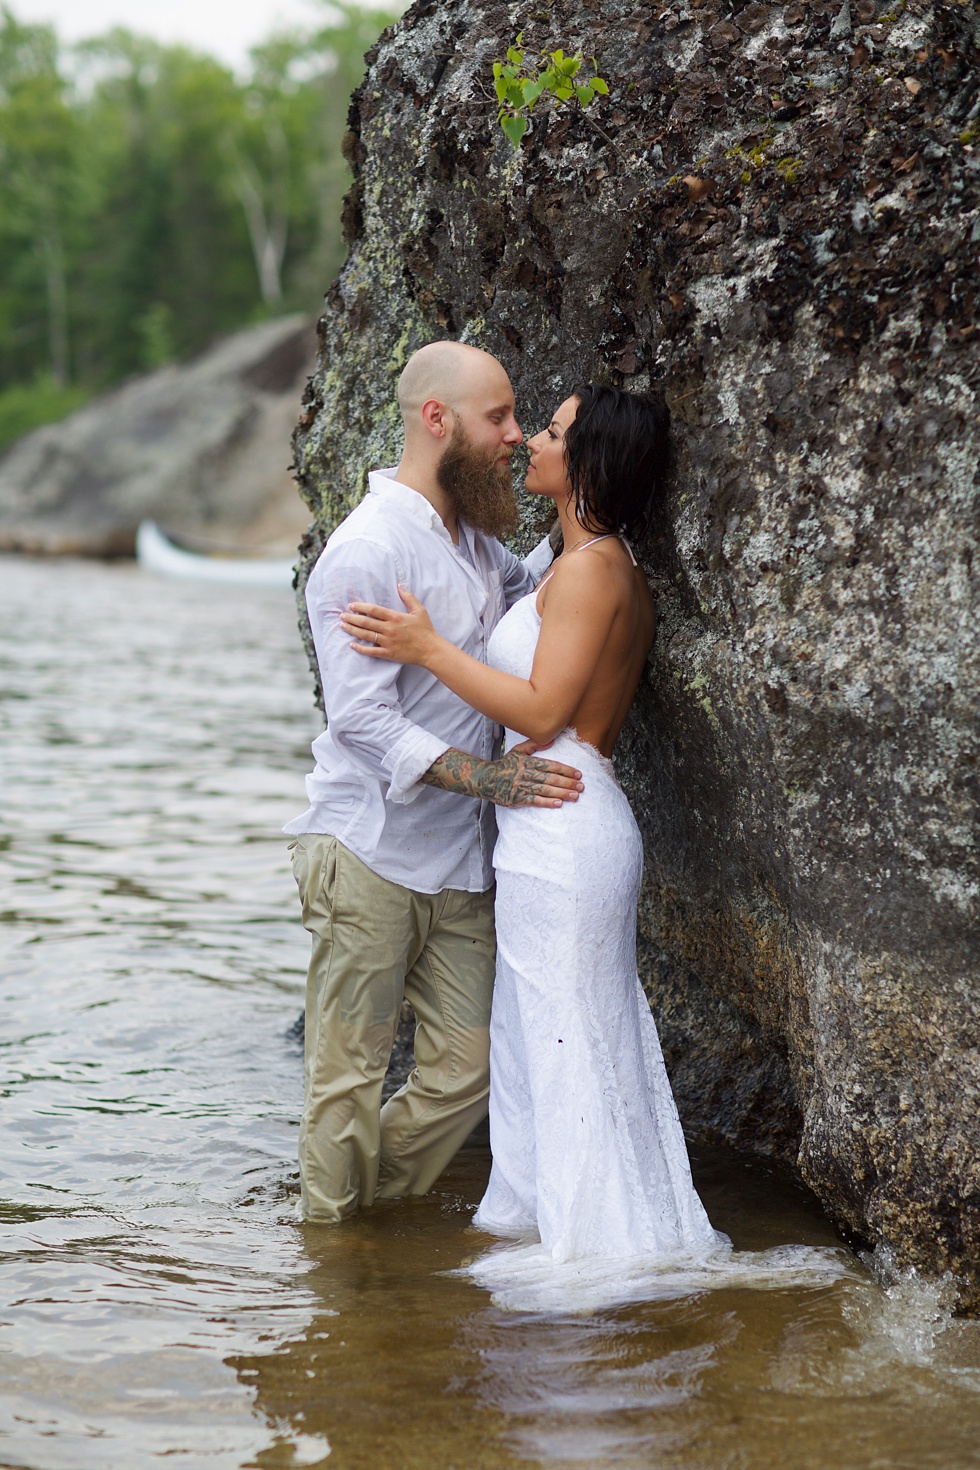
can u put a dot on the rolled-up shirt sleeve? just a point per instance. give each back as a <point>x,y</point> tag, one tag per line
<point>361,695</point>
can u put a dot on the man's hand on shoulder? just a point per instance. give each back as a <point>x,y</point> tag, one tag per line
<point>515,779</point>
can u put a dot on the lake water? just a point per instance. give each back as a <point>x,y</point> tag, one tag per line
<point>160,1304</point>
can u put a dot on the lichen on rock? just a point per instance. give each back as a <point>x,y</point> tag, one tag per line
<point>785,232</point>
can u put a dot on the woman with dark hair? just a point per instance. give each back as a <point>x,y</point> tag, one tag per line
<point>587,1145</point>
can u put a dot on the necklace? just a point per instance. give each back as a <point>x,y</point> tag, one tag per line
<point>589,541</point>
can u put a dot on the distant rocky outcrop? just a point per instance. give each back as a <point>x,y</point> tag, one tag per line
<point>201,447</point>
<point>785,229</point>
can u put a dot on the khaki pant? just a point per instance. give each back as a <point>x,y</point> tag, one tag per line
<point>374,943</point>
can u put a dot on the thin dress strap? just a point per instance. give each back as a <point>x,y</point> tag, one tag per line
<point>604,537</point>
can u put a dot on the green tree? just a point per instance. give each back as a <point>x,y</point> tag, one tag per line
<point>166,257</point>
<point>290,174</point>
<point>38,152</point>
<point>150,200</point>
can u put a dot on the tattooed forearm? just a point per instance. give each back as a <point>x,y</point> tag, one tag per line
<point>456,771</point>
<point>513,780</point>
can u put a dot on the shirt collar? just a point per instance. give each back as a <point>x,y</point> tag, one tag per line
<point>383,483</point>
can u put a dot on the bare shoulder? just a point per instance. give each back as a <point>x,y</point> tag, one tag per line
<point>596,570</point>
<point>582,581</point>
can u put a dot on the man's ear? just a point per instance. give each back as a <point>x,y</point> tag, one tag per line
<point>435,417</point>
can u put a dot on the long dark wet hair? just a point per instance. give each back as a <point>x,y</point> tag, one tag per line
<point>616,455</point>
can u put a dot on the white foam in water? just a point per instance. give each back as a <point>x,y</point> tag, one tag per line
<point>905,1320</point>
<point>525,1277</point>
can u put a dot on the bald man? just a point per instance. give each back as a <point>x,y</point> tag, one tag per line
<point>393,856</point>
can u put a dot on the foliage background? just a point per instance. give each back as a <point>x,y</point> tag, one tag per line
<point>151,200</point>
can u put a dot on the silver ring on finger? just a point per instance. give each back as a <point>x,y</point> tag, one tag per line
<point>376,638</point>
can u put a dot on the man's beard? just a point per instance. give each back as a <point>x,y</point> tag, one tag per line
<point>481,491</point>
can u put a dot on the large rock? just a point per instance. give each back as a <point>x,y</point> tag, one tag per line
<point>202,447</point>
<point>785,230</point>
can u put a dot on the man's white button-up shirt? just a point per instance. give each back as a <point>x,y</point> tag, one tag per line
<point>387,723</point>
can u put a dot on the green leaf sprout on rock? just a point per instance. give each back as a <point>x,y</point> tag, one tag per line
<point>520,83</point>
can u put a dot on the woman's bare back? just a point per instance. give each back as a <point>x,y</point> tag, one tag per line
<point>602,710</point>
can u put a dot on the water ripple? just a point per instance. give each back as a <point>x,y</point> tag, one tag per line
<point>159,1301</point>
<point>153,743</point>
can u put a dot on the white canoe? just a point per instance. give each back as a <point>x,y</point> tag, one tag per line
<point>157,553</point>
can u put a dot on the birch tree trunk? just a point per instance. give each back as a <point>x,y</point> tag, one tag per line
<point>265,205</point>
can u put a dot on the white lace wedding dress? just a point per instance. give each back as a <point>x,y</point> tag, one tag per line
<point>587,1146</point>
